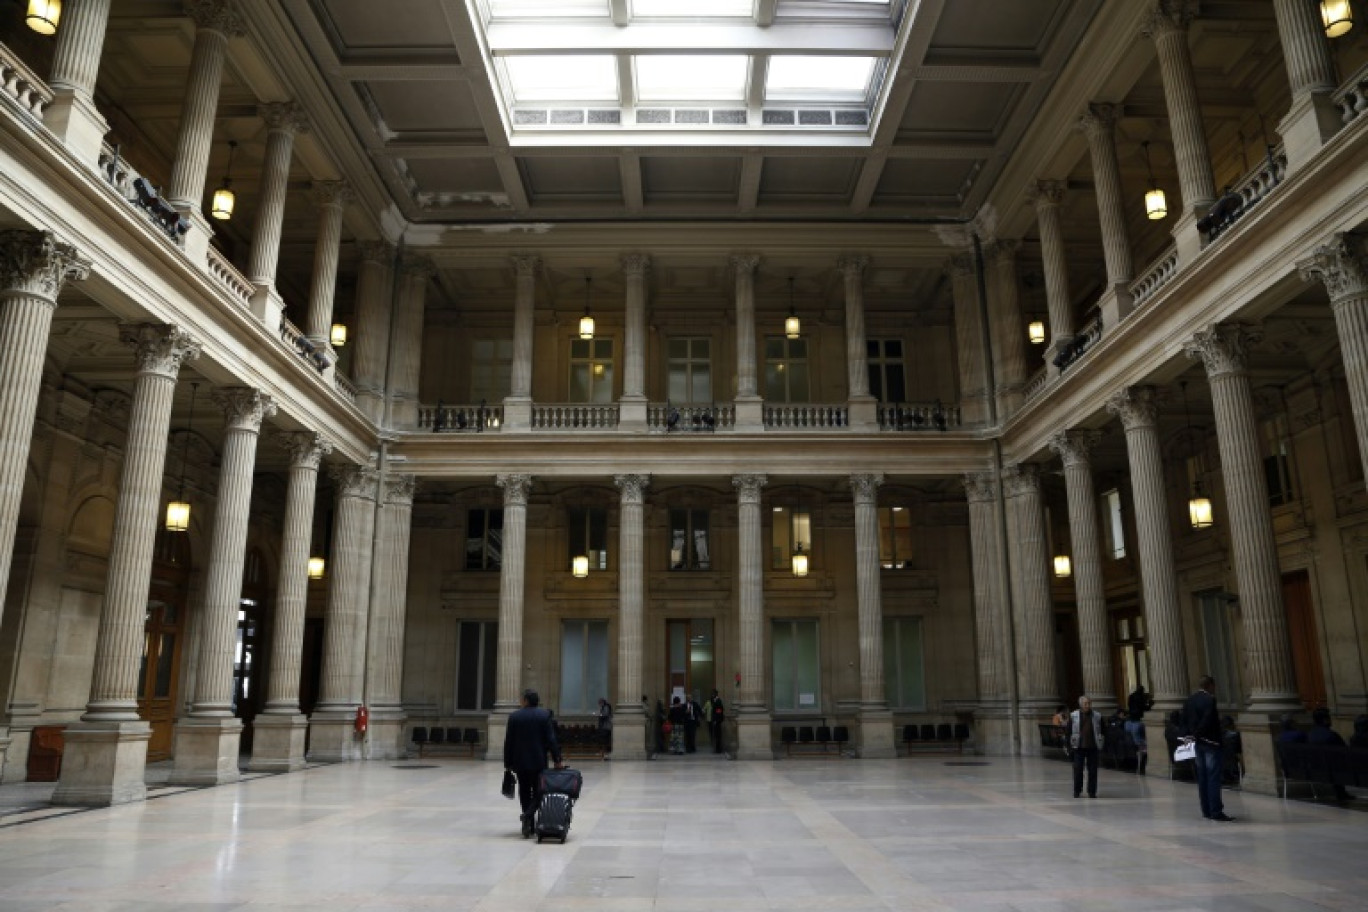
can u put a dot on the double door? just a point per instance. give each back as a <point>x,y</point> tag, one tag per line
<point>690,661</point>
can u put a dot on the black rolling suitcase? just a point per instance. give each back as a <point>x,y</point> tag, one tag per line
<point>560,789</point>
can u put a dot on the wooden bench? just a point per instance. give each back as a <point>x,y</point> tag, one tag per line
<point>581,742</point>
<point>1053,740</point>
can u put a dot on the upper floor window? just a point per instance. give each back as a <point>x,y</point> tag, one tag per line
<point>591,370</point>
<point>690,371</point>
<point>895,538</point>
<point>887,381</point>
<point>797,663</point>
<point>791,532</point>
<point>484,539</point>
<point>477,650</point>
<point>689,547</point>
<point>491,369</point>
<point>588,528</point>
<point>786,369</point>
<point>1277,460</point>
<point>1115,529</point>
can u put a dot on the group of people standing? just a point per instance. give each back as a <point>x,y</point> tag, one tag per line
<point>677,728</point>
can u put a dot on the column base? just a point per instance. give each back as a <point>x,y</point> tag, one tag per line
<point>754,737</point>
<point>385,740</point>
<point>496,728</point>
<point>207,751</point>
<point>1307,126</point>
<point>333,737</point>
<point>76,121</point>
<point>750,415</point>
<point>517,415</point>
<point>631,733</point>
<point>1116,304</point>
<point>278,743</point>
<point>1030,715</point>
<point>1260,756</point>
<point>268,307</point>
<point>632,414</point>
<point>863,413</point>
<point>995,729</point>
<point>875,735</point>
<point>103,764</point>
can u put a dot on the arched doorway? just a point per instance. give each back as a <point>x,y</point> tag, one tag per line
<point>163,637</point>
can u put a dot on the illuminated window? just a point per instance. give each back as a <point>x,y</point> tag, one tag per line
<point>588,534</point>
<point>591,370</point>
<point>689,547</point>
<point>786,369</point>
<point>895,538</point>
<point>791,531</point>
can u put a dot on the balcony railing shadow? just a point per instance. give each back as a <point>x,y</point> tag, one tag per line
<point>689,419</point>
<point>460,419</point>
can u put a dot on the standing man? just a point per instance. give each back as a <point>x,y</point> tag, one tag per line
<point>715,717</point>
<point>1202,720</point>
<point>1136,705</point>
<point>1085,745</point>
<point>530,736</point>
<point>693,714</point>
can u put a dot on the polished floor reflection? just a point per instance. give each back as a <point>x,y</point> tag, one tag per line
<point>930,833</point>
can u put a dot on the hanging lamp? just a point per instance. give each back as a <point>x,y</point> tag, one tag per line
<point>1336,15</point>
<point>1063,567</point>
<point>1199,505</point>
<point>338,335</point>
<point>793,327</point>
<point>800,561</point>
<point>1036,331</point>
<point>224,198</point>
<point>1156,204</point>
<point>586,331</point>
<point>580,566</point>
<point>178,510</point>
<point>43,16</point>
<point>317,566</point>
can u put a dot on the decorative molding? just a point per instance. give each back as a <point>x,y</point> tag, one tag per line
<point>633,488</point>
<point>1223,349</point>
<point>160,350</point>
<point>748,488</point>
<point>1341,264</point>
<point>244,408</point>
<point>36,263</point>
<point>1075,446</point>
<point>515,488</point>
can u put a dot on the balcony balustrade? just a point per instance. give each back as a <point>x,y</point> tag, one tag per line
<point>665,417</point>
<point>575,416</point>
<point>1071,352</point>
<point>19,84</point>
<point>918,416</point>
<point>1352,97</point>
<point>455,419</point>
<point>1239,199</point>
<point>806,416</point>
<point>139,193</point>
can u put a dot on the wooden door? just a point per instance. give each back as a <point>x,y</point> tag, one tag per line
<point>1301,632</point>
<point>160,673</point>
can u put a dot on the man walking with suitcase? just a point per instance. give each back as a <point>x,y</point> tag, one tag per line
<point>530,736</point>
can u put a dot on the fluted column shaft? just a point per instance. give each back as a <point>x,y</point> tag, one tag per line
<point>1048,196</point>
<point>1268,652</point>
<point>634,268</point>
<point>868,589</point>
<point>332,198</point>
<point>33,267</point>
<point>1099,125</point>
<point>857,346</point>
<point>406,349</point>
<point>391,595</point>
<point>511,583</point>
<point>1341,265</point>
<point>80,40</point>
<point>969,338</point>
<point>631,588</point>
<point>745,267</point>
<point>215,22</point>
<point>160,351</point>
<point>525,288</point>
<point>344,623</point>
<point>244,410</point>
<point>750,592</point>
<point>1031,598</point>
<point>287,630</point>
<point>989,599</point>
<point>1009,335</point>
<point>371,347</point>
<point>1306,50</point>
<point>1138,409</point>
<point>1094,630</point>
<point>283,121</point>
<point>1168,26</point>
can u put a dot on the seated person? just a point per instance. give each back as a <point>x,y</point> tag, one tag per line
<point>1360,736</point>
<point>1290,734</point>
<point>1324,735</point>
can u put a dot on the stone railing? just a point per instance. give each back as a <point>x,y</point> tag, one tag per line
<point>1036,385</point>
<point>1245,195</point>
<point>1155,277</point>
<point>141,195</point>
<point>806,417</point>
<point>1352,97</point>
<point>666,418</point>
<point>18,82</point>
<point>1072,351</point>
<point>296,341</point>
<point>455,419</point>
<point>344,387</point>
<point>227,275</point>
<point>918,416</point>
<point>574,416</point>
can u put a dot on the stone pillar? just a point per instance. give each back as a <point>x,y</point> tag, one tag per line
<point>1033,606</point>
<point>1168,26</point>
<point>388,610</point>
<point>1008,329</point>
<point>876,721</point>
<point>215,22</point>
<point>106,752</point>
<point>512,572</point>
<point>1312,118</point>
<point>278,730</point>
<point>331,735</point>
<point>1268,653</point>
<point>406,345</point>
<point>993,716</point>
<point>283,121</point>
<point>332,198</point>
<point>1342,265</point>
<point>753,736</point>
<point>629,711</point>
<point>969,339</point>
<point>370,352</point>
<point>1048,195</point>
<point>518,404</point>
<point>749,411</point>
<point>1099,125</point>
<point>1138,409</point>
<point>632,407</point>
<point>72,116</point>
<point>207,738</point>
<point>863,407</point>
<point>1094,630</point>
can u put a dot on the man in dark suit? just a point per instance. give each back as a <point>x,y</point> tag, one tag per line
<point>1202,720</point>
<point>530,736</point>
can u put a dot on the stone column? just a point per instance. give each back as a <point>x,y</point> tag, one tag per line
<point>993,717</point>
<point>370,353</point>
<point>512,579</point>
<point>283,121</point>
<point>632,408</point>
<point>1268,653</point>
<point>106,752</point>
<point>278,730</point>
<point>1342,265</point>
<point>1138,409</point>
<point>1033,606</point>
<point>1099,125</point>
<point>1048,195</point>
<point>863,407</point>
<point>753,738</point>
<point>629,713</point>
<point>969,339</point>
<point>518,404</point>
<point>1008,329</point>
<point>1312,118</point>
<point>215,22</point>
<point>388,610</point>
<point>1094,630</point>
<point>1168,26</point>
<point>406,345</point>
<point>749,412</point>
<point>72,116</point>
<point>207,738</point>
<point>331,736</point>
<point>876,721</point>
<point>332,198</point>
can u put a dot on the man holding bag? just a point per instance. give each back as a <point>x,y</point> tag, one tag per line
<point>1201,720</point>
<point>530,736</point>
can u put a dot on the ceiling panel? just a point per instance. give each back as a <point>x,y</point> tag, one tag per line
<point>959,110</point>
<point>709,178</point>
<point>367,25</point>
<point>425,106</point>
<point>994,29</point>
<point>570,178</point>
<point>808,179</point>
<point>924,181</point>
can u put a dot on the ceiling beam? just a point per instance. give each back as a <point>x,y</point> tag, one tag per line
<point>507,39</point>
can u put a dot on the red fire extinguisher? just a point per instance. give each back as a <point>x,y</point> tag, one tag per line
<point>362,720</point>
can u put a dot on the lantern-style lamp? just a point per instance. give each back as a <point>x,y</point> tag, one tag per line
<point>1336,15</point>
<point>793,327</point>
<point>43,16</point>
<point>1035,330</point>
<point>317,566</point>
<point>1199,509</point>
<point>338,336</point>
<point>178,510</point>
<point>1063,567</point>
<point>224,199</point>
<point>800,562</point>
<point>1156,204</point>
<point>586,324</point>
<point>580,566</point>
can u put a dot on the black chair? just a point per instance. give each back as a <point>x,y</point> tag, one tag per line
<point>823,735</point>
<point>961,732</point>
<point>438,735</point>
<point>1358,762</point>
<point>910,734</point>
<point>944,732</point>
<point>788,735</point>
<point>928,732</point>
<point>453,737</point>
<point>420,737</point>
<point>472,739</point>
<point>805,734</point>
<point>841,735</point>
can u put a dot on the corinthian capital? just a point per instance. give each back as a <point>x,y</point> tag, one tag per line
<point>244,408</point>
<point>633,487</point>
<point>516,489</point>
<point>1169,16</point>
<point>1075,446</point>
<point>36,263</point>
<point>525,264</point>
<point>284,115</point>
<point>357,481</point>
<point>332,193</point>
<point>745,263</point>
<point>1099,119</point>
<point>399,490</point>
<point>853,265</point>
<point>1223,349</point>
<point>216,16</point>
<point>160,349</point>
<point>306,448</point>
<point>1341,264</point>
<point>748,488</point>
<point>635,265</point>
<point>1046,194</point>
<point>980,487</point>
<point>1136,406</point>
<point>1020,478</point>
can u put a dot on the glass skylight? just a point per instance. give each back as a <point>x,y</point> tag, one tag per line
<point>793,77</point>
<point>688,9</point>
<point>547,9</point>
<point>563,77</point>
<point>691,77</point>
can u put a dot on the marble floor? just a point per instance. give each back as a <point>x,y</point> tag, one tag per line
<point>702,833</point>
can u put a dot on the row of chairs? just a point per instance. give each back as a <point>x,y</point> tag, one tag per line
<point>808,736</point>
<point>929,734</point>
<point>426,739</point>
<point>1322,764</point>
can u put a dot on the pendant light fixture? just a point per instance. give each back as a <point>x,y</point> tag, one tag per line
<point>317,566</point>
<point>1336,15</point>
<point>793,329</point>
<point>800,561</point>
<point>1199,505</point>
<point>586,331</point>
<point>338,335</point>
<point>224,198</point>
<point>1156,204</point>
<point>43,16</point>
<point>1036,331</point>
<point>1063,567</point>
<point>178,510</point>
<point>580,566</point>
